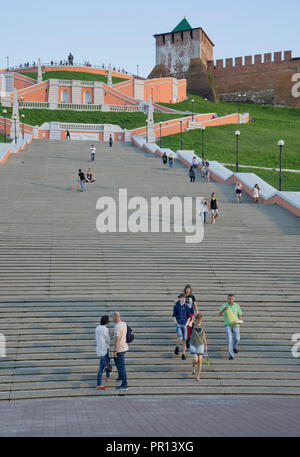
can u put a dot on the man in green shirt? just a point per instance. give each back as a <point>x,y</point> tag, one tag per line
<point>232,330</point>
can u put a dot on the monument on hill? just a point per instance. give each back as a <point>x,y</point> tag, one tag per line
<point>70,59</point>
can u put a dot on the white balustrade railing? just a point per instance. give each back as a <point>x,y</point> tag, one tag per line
<point>82,107</point>
<point>79,107</point>
<point>34,105</point>
<point>82,127</point>
<point>87,83</point>
<point>57,64</point>
<point>124,108</point>
<point>65,82</point>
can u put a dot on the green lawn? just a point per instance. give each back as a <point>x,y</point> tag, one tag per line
<point>290,181</point>
<point>124,120</point>
<point>78,75</point>
<point>222,108</point>
<point>258,140</point>
<point>1,138</point>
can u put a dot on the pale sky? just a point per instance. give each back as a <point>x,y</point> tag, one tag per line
<point>121,32</point>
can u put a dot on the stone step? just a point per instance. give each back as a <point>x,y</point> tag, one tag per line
<point>58,276</point>
<point>89,351</point>
<point>157,362</point>
<point>57,386</point>
<point>195,390</point>
<point>221,370</point>
<point>133,375</point>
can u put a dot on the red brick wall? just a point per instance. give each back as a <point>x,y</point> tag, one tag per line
<point>275,72</point>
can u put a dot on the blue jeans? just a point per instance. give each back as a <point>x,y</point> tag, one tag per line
<point>204,217</point>
<point>103,360</point>
<point>170,164</point>
<point>82,185</point>
<point>92,156</point>
<point>120,363</point>
<point>233,338</point>
<point>181,331</point>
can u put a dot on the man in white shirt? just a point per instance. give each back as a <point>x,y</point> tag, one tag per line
<point>120,349</point>
<point>93,151</point>
<point>103,343</point>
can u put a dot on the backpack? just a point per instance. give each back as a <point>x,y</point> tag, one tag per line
<point>129,335</point>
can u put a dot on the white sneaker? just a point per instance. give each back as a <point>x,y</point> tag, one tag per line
<point>214,222</point>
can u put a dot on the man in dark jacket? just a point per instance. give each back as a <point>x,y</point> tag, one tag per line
<point>181,316</point>
<point>192,174</point>
<point>81,180</point>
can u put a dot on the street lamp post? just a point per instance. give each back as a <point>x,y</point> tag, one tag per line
<point>203,131</point>
<point>160,140</point>
<point>280,144</point>
<point>245,109</point>
<point>15,121</point>
<point>205,107</point>
<point>181,135</point>
<point>237,134</point>
<point>4,115</point>
<point>192,110</point>
<point>22,116</point>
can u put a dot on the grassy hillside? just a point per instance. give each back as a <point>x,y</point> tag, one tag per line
<point>290,181</point>
<point>124,120</point>
<point>258,140</point>
<point>78,75</point>
<point>222,108</point>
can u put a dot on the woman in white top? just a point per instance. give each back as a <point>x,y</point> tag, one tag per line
<point>256,190</point>
<point>103,343</point>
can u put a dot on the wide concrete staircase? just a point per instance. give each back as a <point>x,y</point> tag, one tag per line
<point>58,276</point>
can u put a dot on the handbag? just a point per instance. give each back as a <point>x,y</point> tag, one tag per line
<point>206,360</point>
<point>232,319</point>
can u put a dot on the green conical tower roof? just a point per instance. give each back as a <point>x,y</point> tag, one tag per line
<point>182,26</point>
